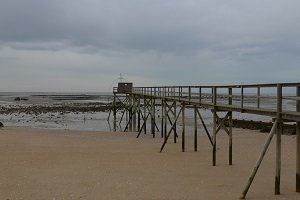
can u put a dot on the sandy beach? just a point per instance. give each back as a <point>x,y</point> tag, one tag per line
<point>60,164</point>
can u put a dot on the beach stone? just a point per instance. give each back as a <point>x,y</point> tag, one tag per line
<point>1,124</point>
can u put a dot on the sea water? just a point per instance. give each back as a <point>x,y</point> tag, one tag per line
<point>96,121</point>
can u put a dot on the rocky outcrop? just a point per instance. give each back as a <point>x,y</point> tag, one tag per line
<point>288,129</point>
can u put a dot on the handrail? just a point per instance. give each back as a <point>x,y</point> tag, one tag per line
<point>243,100</point>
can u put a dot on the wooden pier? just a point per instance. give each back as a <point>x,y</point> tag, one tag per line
<point>139,104</point>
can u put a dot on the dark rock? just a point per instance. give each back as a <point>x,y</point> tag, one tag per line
<point>21,99</point>
<point>266,129</point>
<point>1,125</point>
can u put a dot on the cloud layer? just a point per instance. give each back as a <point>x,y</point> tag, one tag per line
<point>75,45</point>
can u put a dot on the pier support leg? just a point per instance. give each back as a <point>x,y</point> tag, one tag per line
<point>165,119</point>
<point>298,158</point>
<point>145,114</point>
<point>134,105</point>
<point>139,113</point>
<point>230,126</point>
<point>183,128</point>
<point>130,111</point>
<point>175,127</point>
<point>278,157</point>
<point>195,129</point>
<point>214,100</point>
<point>258,162</point>
<point>298,147</point>
<point>153,117</point>
<point>162,118</point>
<point>214,138</point>
<point>115,112</point>
<point>230,138</point>
<point>278,139</point>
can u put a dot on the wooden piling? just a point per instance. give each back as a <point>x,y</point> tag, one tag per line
<point>175,126</point>
<point>145,114</point>
<point>214,126</point>
<point>258,162</point>
<point>195,129</point>
<point>115,113</point>
<point>153,117</point>
<point>165,118</point>
<point>230,125</point>
<point>278,140</point>
<point>298,146</point>
<point>183,128</point>
<point>162,118</point>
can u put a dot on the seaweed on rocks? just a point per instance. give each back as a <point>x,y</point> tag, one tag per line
<point>264,127</point>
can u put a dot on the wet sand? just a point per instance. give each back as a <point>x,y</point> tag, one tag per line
<point>57,164</point>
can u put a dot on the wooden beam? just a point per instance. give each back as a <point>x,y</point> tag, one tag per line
<point>195,129</point>
<point>169,133</point>
<point>183,128</point>
<point>278,140</point>
<point>298,146</point>
<point>260,159</point>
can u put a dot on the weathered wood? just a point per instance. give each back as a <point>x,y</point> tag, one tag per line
<point>169,133</point>
<point>139,113</point>
<point>162,117</point>
<point>195,129</point>
<point>153,117</point>
<point>175,126</point>
<point>258,97</point>
<point>145,113</point>
<point>230,126</point>
<point>205,128</point>
<point>165,118</point>
<point>214,137</point>
<point>115,113</point>
<point>244,103</point>
<point>278,140</point>
<point>214,126</point>
<point>183,128</point>
<point>298,146</point>
<point>260,159</point>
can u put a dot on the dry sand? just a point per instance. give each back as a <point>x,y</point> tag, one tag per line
<point>56,164</point>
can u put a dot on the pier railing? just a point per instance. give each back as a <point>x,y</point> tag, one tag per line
<point>261,99</point>
<point>281,101</point>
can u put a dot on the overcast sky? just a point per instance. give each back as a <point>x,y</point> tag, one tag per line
<point>83,45</point>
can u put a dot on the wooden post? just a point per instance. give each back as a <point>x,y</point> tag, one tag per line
<point>214,126</point>
<point>162,117</point>
<point>278,139</point>
<point>115,113</point>
<point>242,97</point>
<point>175,127</point>
<point>230,126</point>
<point>165,119</point>
<point>258,97</point>
<point>200,94</point>
<point>258,162</point>
<point>153,117</point>
<point>145,114</point>
<point>183,128</point>
<point>195,130</point>
<point>139,113</point>
<point>130,112</point>
<point>134,102</point>
<point>298,146</point>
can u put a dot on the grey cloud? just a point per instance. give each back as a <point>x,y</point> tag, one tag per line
<point>171,40</point>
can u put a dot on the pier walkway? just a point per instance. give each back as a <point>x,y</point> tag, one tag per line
<point>279,101</point>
